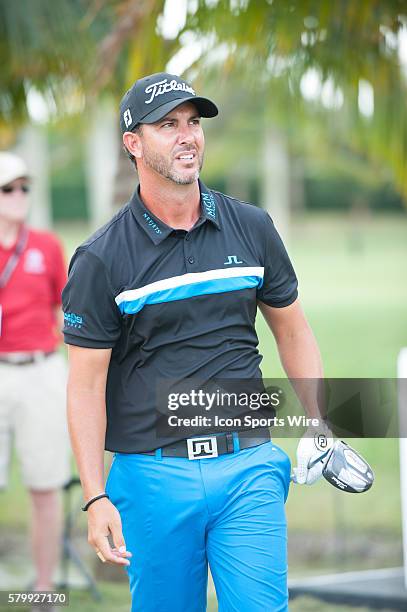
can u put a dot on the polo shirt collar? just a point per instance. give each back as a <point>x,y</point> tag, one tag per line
<point>209,206</point>
<point>156,229</point>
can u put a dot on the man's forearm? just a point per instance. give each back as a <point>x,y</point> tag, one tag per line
<point>299,354</point>
<point>87,428</point>
<point>301,360</point>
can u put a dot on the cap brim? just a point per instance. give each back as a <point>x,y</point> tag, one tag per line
<point>205,107</point>
<point>9,177</point>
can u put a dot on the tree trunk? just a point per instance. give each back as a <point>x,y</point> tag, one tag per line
<point>33,148</point>
<point>276,180</point>
<point>101,162</point>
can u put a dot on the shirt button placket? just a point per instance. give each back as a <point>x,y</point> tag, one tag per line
<point>188,254</point>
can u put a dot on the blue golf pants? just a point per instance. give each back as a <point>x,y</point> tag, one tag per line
<point>179,515</point>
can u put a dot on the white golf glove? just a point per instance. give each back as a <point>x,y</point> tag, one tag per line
<point>312,453</point>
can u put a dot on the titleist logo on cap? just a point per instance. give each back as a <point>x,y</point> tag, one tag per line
<point>162,87</point>
<point>151,98</point>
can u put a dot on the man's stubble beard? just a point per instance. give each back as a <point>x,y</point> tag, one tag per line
<point>160,164</point>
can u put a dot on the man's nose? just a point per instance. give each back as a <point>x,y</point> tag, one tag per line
<point>185,134</point>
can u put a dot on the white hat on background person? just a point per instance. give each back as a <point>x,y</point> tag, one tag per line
<point>11,167</point>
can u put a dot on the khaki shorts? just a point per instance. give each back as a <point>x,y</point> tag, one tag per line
<point>33,415</point>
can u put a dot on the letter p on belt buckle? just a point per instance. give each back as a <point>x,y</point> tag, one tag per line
<point>202,448</point>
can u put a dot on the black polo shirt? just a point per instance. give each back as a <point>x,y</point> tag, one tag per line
<point>173,304</point>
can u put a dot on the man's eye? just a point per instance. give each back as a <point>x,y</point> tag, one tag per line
<point>168,124</point>
<point>195,121</point>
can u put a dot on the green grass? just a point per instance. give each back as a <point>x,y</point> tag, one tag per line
<point>353,290</point>
<point>354,298</point>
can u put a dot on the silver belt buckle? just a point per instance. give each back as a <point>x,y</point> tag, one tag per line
<point>202,448</point>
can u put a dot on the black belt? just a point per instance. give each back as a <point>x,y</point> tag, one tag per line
<point>201,447</point>
<point>24,359</point>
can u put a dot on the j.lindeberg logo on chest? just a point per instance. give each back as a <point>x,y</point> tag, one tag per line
<point>162,87</point>
<point>34,262</point>
<point>232,259</point>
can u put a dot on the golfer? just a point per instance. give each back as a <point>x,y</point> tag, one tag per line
<point>168,290</point>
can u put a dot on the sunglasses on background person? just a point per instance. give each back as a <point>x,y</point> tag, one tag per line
<point>10,188</point>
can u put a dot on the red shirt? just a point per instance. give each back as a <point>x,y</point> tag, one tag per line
<point>28,300</point>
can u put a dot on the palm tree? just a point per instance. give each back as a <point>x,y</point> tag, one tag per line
<point>348,45</point>
<point>102,46</point>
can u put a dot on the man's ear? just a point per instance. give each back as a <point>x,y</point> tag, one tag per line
<point>132,142</point>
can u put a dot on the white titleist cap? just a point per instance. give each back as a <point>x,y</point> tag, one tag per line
<point>11,167</point>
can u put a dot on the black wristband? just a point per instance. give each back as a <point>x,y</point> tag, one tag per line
<point>86,506</point>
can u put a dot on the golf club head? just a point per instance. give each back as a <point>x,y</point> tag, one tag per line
<point>346,470</point>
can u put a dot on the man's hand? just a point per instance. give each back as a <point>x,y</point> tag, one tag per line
<point>104,520</point>
<point>312,453</point>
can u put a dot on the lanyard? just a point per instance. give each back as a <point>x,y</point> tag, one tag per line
<point>14,257</point>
